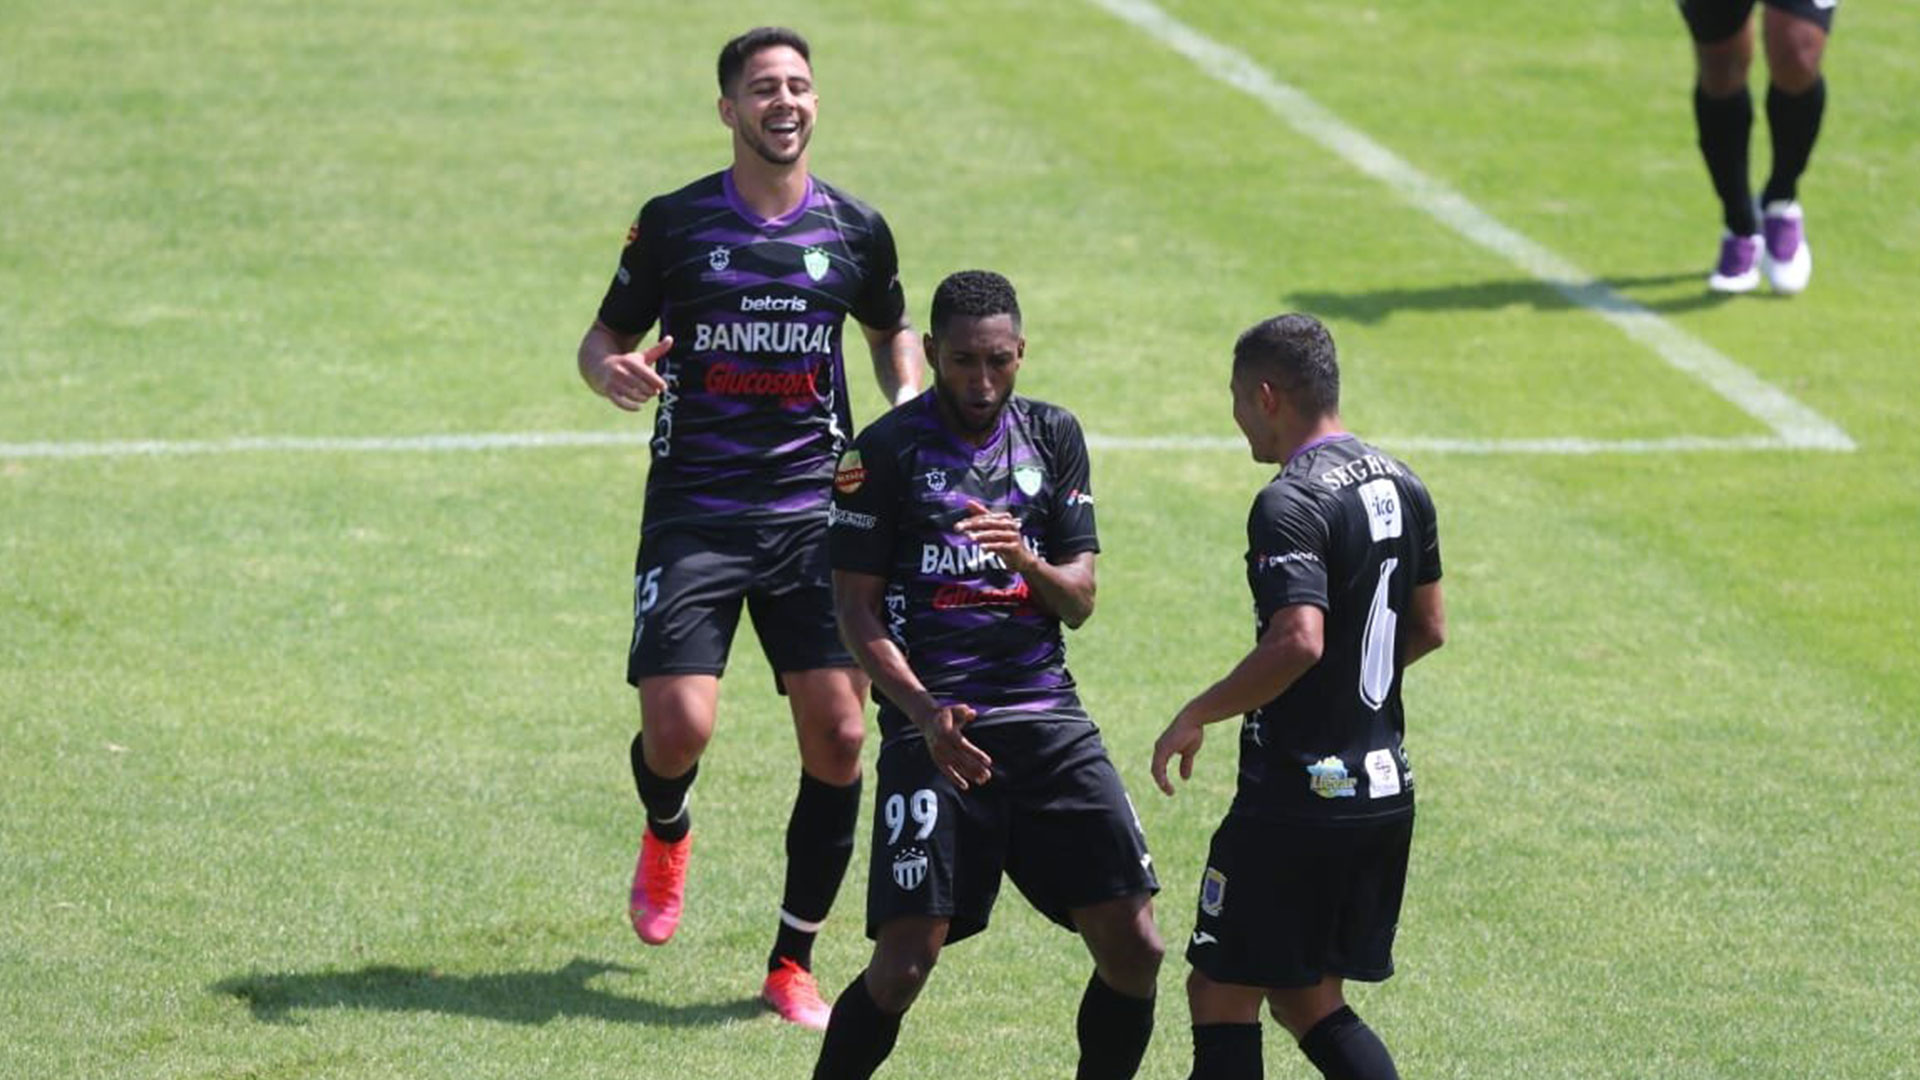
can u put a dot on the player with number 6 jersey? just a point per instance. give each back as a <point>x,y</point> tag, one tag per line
<point>1304,878</point>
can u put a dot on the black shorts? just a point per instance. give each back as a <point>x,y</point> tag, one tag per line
<point>1711,21</point>
<point>689,581</point>
<point>1284,906</point>
<point>1055,818</point>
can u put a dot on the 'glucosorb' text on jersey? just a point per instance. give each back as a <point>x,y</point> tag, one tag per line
<point>755,410</point>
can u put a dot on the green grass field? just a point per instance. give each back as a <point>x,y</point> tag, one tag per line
<point>314,761</point>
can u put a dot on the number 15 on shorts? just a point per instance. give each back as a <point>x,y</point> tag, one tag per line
<point>646,593</point>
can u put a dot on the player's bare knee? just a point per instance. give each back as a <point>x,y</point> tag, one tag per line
<point>1794,66</point>
<point>1723,68</point>
<point>1794,48</point>
<point>832,755</point>
<point>672,749</point>
<point>894,979</point>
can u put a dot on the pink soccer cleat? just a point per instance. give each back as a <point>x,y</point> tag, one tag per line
<point>659,883</point>
<point>791,992</point>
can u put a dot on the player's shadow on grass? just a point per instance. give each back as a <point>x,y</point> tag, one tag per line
<point>517,997</point>
<point>1602,295</point>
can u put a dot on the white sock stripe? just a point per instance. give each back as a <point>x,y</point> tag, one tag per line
<point>800,924</point>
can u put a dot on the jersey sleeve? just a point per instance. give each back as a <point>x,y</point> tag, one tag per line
<point>632,303</point>
<point>1288,539</point>
<point>866,502</point>
<point>1070,528</point>
<point>882,303</point>
<point>1429,537</point>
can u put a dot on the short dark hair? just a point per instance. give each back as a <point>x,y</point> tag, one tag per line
<point>1295,353</point>
<point>976,294</point>
<point>735,54</point>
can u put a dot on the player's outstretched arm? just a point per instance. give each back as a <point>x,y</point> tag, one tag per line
<point>1294,640</point>
<point>898,361</point>
<point>857,606</point>
<point>611,368</point>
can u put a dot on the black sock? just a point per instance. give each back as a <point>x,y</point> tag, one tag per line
<point>1343,1047</point>
<point>1793,122</point>
<point>1227,1052</point>
<point>819,846</point>
<point>1113,1030</point>
<point>666,800</point>
<point>859,1036</point>
<point>1725,126</point>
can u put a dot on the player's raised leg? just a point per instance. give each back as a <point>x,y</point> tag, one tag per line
<point>830,726</point>
<point>1116,1010</point>
<point>676,722</point>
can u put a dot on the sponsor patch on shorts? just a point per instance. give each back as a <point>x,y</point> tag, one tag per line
<point>1213,891</point>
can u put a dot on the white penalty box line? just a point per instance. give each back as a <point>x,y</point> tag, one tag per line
<point>1794,425</point>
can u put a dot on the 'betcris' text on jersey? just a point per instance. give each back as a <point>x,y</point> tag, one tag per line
<point>755,411</point>
<point>1350,530</point>
<point>969,626</point>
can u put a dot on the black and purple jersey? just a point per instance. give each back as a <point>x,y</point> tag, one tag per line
<point>1350,530</point>
<point>755,410</point>
<point>969,626</point>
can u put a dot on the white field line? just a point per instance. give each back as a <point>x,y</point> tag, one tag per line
<point>536,440</point>
<point>1797,426</point>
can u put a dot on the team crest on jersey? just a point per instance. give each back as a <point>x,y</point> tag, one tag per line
<point>936,481</point>
<point>1329,779</point>
<point>1213,891</point>
<point>1027,478</point>
<point>910,868</point>
<point>850,474</point>
<point>719,259</point>
<point>816,262</point>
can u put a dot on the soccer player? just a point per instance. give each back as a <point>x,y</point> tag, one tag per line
<point>751,273</point>
<point>1304,876</point>
<point>1796,36</point>
<point>962,538</point>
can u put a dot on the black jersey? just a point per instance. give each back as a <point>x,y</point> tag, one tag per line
<point>755,408</point>
<point>969,626</point>
<point>1350,530</point>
